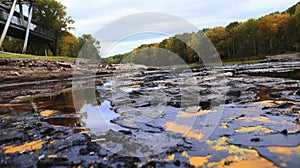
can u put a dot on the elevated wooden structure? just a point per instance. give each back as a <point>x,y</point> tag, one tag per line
<point>15,24</point>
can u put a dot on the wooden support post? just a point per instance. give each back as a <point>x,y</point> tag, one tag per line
<point>11,14</point>
<point>22,22</point>
<point>27,29</point>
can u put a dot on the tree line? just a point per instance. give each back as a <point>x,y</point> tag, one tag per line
<point>275,33</point>
<point>51,15</point>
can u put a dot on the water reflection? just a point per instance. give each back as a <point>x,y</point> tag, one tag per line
<point>295,74</point>
<point>97,118</point>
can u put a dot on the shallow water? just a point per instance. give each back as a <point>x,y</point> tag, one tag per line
<point>145,114</point>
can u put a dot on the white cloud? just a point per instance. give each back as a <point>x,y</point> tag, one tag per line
<point>127,45</point>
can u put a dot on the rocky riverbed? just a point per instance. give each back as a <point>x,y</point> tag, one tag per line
<point>229,116</point>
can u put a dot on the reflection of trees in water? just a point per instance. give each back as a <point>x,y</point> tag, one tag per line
<point>82,97</point>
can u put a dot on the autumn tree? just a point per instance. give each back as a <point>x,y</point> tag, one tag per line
<point>51,15</point>
<point>89,47</point>
<point>275,33</point>
<point>68,45</point>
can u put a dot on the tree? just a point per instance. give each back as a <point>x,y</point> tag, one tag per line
<point>89,47</point>
<point>51,15</point>
<point>218,37</point>
<point>294,29</point>
<point>68,45</point>
<point>276,33</point>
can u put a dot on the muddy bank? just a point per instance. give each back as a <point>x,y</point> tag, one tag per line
<point>23,77</point>
<point>24,70</point>
<point>283,57</point>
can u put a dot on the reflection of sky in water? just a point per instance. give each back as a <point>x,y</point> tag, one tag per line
<point>129,89</point>
<point>98,117</point>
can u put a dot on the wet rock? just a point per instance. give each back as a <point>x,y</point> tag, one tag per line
<point>297,120</point>
<point>53,162</point>
<point>3,61</point>
<point>295,109</point>
<point>126,132</point>
<point>80,139</point>
<point>285,105</point>
<point>144,104</point>
<point>155,126</point>
<point>205,92</point>
<point>234,93</point>
<point>176,163</point>
<point>65,65</point>
<point>47,131</point>
<point>228,163</point>
<point>151,164</point>
<point>253,89</point>
<point>149,84</point>
<point>297,92</point>
<point>170,84</point>
<point>83,152</point>
<point>13,137</point>
<point>276,95</point>
<point>256,139</point>
<point>285,131</point>
<point>151,69</point>
<point>205,105</point>
<point>174,104</point>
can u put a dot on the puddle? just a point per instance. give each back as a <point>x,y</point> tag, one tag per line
<point>254,128</point>
<point>185,130</point>
<point>294,74</point>
<point>48,113</point>
<point>196,161</point>
<point>288,151</point>
<point>238,156</point>
<point>286,94</point>
<point>97,118</point>
<point>64,121</point>
<point>243,161</point>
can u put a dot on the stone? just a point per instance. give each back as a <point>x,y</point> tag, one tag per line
<point>285,132</point>
<point>297,92</point>
<point>256,139</point>
<point>234,93</point>
<point>275,95</point>
<point>126,132</point>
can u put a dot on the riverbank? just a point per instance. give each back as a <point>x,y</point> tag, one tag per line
<point>16,68</point>
<point>148,118</point>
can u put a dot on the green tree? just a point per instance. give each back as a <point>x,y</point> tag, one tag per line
<point>51,15</point>
<point>218,37</point>
<point>68,45</point>
<point>89,47</point>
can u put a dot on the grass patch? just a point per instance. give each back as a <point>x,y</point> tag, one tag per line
<point>243,62</point>
<point>14,55</point>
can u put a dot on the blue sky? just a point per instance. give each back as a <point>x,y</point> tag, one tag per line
<point>92,15</point>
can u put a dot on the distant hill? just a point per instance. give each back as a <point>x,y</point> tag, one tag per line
<point>275,33</point>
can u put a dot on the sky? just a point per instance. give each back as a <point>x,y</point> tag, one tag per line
<point>119,19</point>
